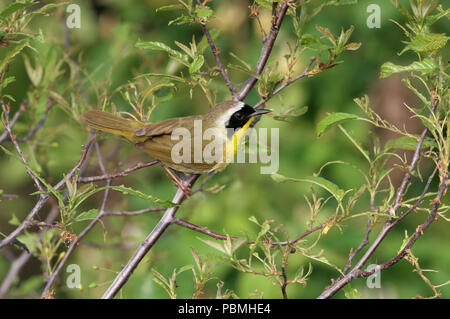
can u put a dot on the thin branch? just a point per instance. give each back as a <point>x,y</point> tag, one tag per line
<point>305,73</point>
<point>151,239</point>
<point>9,196</point>
<point>123,173</point>
<point>13,139</point>
<point>75,242</point>
<point>418,233</point>
<point>13,272</point>
<point>220,66</point>
<point>342,281</point>
<point>134,213</point>
<point>34,129</point>
<point>20,262</point>
<point>16,116</point>
<point>364,243</point>
<point>200,229</point>
<point>206,231</point>
<point>265,51</point>
<point>43,200</point>
<point>285,282</point>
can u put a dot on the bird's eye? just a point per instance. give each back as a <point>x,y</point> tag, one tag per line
<point>238,115</point>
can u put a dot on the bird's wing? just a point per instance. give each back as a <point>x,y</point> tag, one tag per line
<point>166,127</point>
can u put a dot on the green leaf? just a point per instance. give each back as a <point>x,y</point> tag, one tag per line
<point>14,221</point>
<point>169,7</point>
<point>129,190</point>
<point>203,12</point>
<point>31,241</point>
<point>16,50</point>
<point>214,244</point>
<point>7,81</point>
<point>351,293</point>
<point>425,67</point>
<point>265,3</point>
<point>167,76</point>
<point>426,42</point>
<point>13,7</point>
<point>196,64</point>
<point>90,214</point>
<point>290,113</point>
<point>433,18</point>
<point>327,33</point>
<point>159,46</point>
<point>35,74</point>
<point>319,181</point>
<point>333,119</point>
<point>408,143</point>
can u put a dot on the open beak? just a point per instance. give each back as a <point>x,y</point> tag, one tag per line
<point>260,112</point>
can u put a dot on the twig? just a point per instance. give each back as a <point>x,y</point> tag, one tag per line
<point>10,196</point>
<point>13,138</point>
<point>14,270</point>
<point>34,129</point>
<point>16,116</point>
<point>285,282</point>
<point>364,242</point>
<point>43,200</point>
<point>341,282</point>
<point>134,213</point>
<point>20,262</point>
<point>289,82</point>
<point>123,173</point>
<point>200,229</point>
<point>75,242</point>
<point>220,66</point>
<point>206,231</point>
<point>265,52</point>
<point>148,243</point>
<point>418,233</point>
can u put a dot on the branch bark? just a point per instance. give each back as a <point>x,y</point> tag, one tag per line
<point>265,50</point>
<point>167,219</point>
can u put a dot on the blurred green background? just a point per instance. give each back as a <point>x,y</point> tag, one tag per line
<point>104,46</point>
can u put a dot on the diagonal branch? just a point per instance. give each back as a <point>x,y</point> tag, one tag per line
<point>43,200</point>
<point>220,66</point>
<point>35,128</point>
<point>419,231</point>
<point>13,138</point>
<point>20,262</point>
<point>16,116</point>
<point>90,179</point>
<point>51,280</point>
<point>266,49</point>
<point>167,219</point>
<point>341,282</point>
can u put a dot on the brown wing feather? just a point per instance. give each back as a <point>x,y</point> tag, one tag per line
<point>166,127</point>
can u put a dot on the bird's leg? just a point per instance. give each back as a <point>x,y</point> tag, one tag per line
<point>186,190</point>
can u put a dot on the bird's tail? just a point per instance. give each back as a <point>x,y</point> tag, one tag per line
<point>109,123</point>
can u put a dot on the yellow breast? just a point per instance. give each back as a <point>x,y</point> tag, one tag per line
<point>232,146</point>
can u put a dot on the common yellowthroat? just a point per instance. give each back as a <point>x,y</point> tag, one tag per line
<point>229,121</point>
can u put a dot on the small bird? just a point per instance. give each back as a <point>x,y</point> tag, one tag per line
<point>229,119</point>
